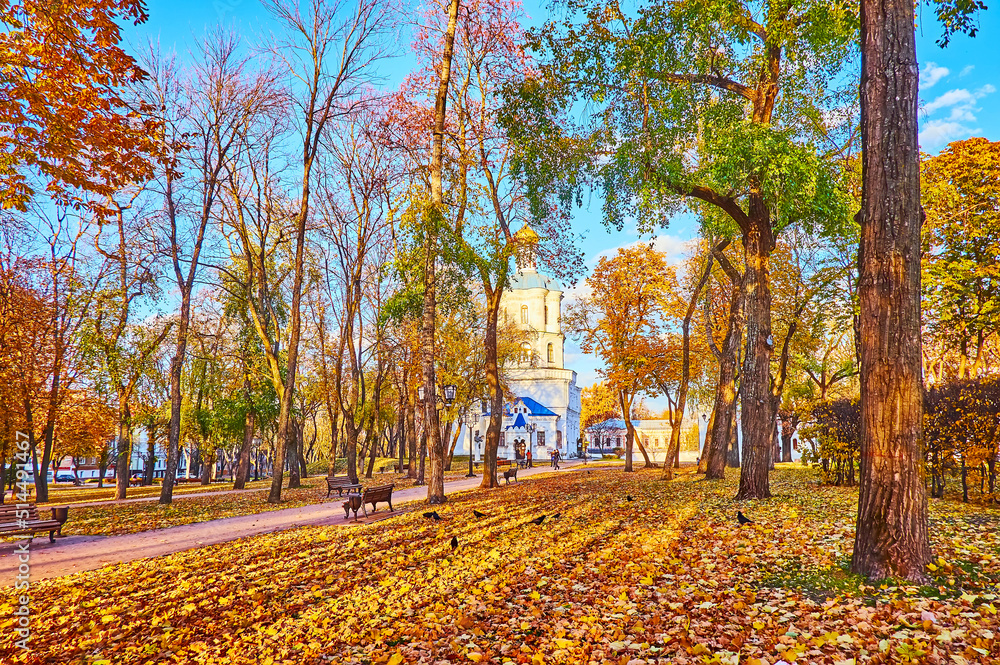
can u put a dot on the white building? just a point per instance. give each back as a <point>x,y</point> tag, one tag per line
<point>545,415</point>
<point>653,434</point>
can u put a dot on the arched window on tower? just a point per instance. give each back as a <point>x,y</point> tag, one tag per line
<point>524,313</point>
<point>526,353</point>
<point>551,353</point>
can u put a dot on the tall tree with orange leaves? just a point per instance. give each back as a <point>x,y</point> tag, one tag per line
<point>622,321</point>
<point>65,124</point>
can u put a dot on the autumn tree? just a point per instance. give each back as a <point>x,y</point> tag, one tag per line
<point>621,320</point>
<point>68,127</point>
<point>961,256</point>
<point>328,51</point>
<point>597,404</point>
<point>481,233</point>
<point>716,105</point>
<point>121,347</point>
<point>355,202</point>
<point>201,113</point>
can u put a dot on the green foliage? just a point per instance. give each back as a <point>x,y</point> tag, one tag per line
<point>649,107</point>
<point>957,16</point>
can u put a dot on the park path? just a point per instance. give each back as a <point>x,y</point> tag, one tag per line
<point>74,554</point>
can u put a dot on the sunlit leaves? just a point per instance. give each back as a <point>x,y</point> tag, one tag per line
<point>669,576</point>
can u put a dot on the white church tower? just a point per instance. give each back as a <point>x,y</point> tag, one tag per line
<point>546,412</point>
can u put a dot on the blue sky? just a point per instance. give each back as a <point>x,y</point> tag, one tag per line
<point>960,98</point>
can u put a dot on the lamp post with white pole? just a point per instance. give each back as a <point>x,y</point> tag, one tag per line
<point>470,421</point>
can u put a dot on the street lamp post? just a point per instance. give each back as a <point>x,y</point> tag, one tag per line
<point>470,420</point>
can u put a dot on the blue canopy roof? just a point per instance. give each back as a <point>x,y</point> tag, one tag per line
<point>519,422</point>
<point>536,408</point>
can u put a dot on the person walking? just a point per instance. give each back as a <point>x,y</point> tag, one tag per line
<point>529,458</point>
<point>555,459</point>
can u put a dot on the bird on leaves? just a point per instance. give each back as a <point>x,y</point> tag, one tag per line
<point>454,542</point>
<point>628,497</point>
<point>743,519</point>
<point>478,514</point>
<point>538,520</point>
<point>433,515</point>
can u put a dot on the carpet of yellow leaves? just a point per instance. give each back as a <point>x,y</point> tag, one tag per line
<point>666,578</point>
<point>65,496</point>
<point>124,518</point>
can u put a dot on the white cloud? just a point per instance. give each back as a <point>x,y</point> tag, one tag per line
<point>959,123</point>
<point>931,74</point>
<point>950,98</point>
<point>940,132</point>
<point>966,70</point>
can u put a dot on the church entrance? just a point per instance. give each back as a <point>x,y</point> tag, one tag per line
<point>520,447</point>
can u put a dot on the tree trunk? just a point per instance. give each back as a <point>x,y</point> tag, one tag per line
<point>454,443</point>
<point>123,461</point>
<point>435,488</point>
<point>494,389</point>
<point>677,415</point>
<point>48,438</point>
<point>734,443</point>
<point>208,465</point>
<point>243,467</point>
<point>755,379</point>
<point>351,434</point>
<point>725,393</point>
<point>176,399</point>
<point>891,537</point>
<point>629,441</point>
<point>423,458</point>
<point>292,455</point>
<point>706,450</point>
<point>400,432</point>
<point>647,463</point>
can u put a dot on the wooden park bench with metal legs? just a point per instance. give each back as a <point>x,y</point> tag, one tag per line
<point>340,483</point>
<point>372,495</point>
<point>15,520</point>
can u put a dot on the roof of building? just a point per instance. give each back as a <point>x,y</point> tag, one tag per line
<point>536,408</point>
<point>527,234</point>
<point>531,279</point>
<point>519,422</point>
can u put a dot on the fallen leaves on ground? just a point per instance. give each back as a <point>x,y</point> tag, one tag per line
<point>125,518</point>
<point>667,578</point>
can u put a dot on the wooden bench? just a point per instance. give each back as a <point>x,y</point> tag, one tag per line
<point>372,495</point>
<point>14,521</point>
<point>389,465</point>
<point>340,483</point>
<point>501,463</point>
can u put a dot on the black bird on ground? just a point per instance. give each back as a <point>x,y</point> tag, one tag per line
<point>538,520</point>
<point>454,542</point>
<point>743,519</point>
<point>628,497</point>
<point>478,514</point>
<point>433,515</point>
